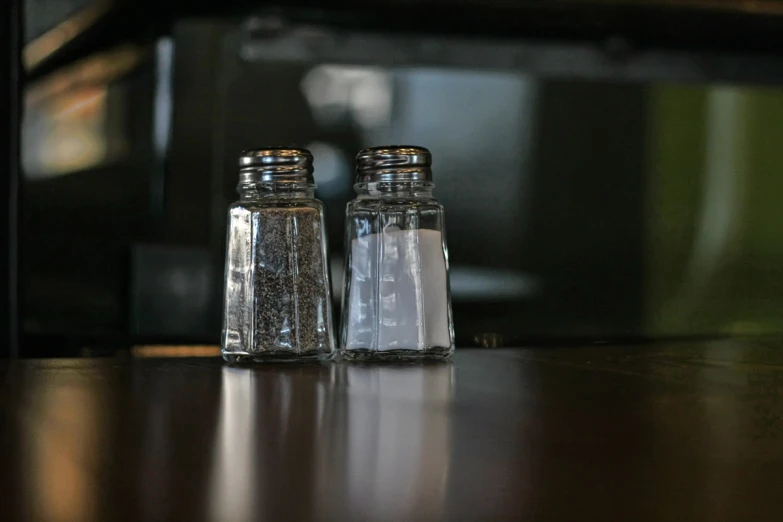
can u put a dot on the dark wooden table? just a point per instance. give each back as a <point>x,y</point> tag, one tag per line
<point>675,432</point>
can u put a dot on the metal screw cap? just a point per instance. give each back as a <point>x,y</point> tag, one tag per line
<point>394,163</point>
<point>276,164</point>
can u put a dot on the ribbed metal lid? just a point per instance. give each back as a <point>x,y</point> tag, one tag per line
<point>276,164</point>
<point>394,163</point>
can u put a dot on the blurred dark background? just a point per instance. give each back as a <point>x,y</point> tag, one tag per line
<point>609,171</point>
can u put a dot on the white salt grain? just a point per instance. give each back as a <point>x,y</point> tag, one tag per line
<point>398,297</point>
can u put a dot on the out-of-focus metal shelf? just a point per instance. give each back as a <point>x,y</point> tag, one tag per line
<point>270,37</point>
<point>677,39</point>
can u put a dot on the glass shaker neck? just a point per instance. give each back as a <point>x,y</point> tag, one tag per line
<point>394,189</point>
<point>276,189</point>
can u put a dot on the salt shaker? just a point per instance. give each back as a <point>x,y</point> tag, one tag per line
<point>277,294</point>
<point>396,301</point>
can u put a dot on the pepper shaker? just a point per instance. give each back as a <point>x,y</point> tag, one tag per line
<point>277,293</point>
<point>396,300</point>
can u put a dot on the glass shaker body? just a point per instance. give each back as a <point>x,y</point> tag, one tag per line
<point>277,301</point>
<point>396,299</point>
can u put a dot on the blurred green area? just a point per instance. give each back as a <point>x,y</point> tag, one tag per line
<point>715,237</point>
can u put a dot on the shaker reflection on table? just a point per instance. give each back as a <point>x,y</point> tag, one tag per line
<point>379,435</point>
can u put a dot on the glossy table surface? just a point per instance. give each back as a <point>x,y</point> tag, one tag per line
<point>685,431</point>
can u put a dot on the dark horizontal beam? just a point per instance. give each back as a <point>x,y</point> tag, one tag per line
<point>668,24</point>
<point>267,38</point>
<point>700,29</point>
